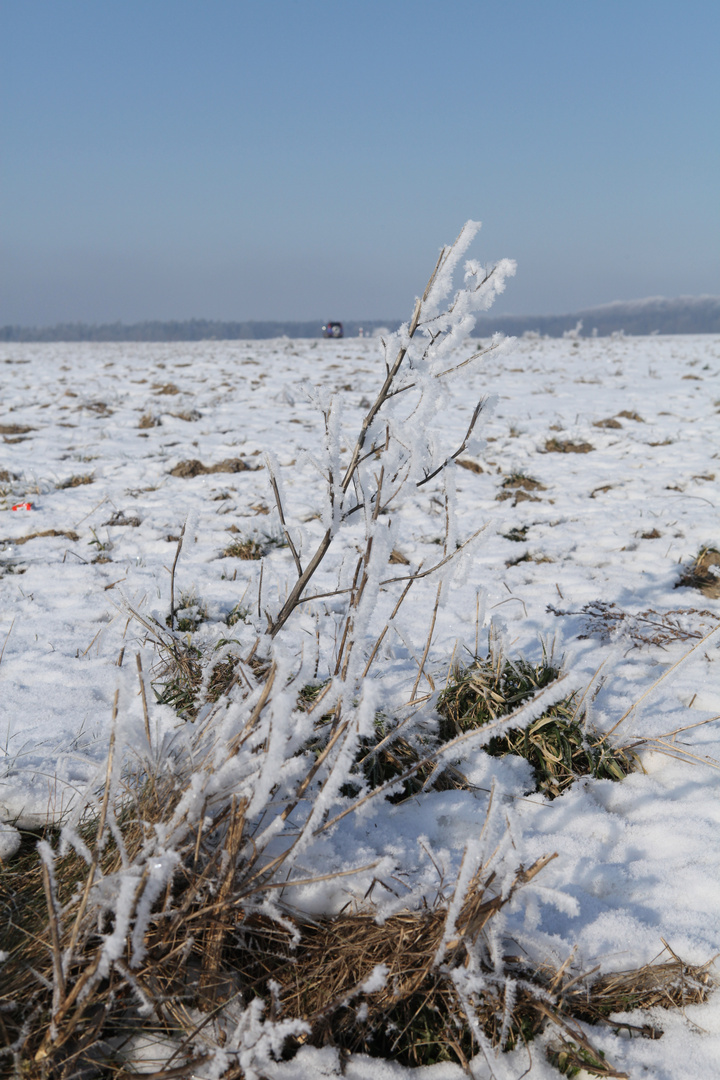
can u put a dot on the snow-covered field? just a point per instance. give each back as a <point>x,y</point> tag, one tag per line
<point>638,861</point>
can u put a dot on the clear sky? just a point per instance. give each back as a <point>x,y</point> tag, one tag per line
<point>303,159</point>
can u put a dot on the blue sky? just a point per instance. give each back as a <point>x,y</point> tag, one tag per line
<point>303,159</point>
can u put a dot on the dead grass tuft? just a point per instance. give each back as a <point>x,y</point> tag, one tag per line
<point>566,446</point>
<point>520,480</point>
<point>15,429</point>
<point>189,613</point>
<point>518,534</point>
<point>415,1014</point>
<point>69,534</point>
<point>471,466</point>
<point>390,990</point>
<point>188,469</point>
<point>147,420</point>
<point>609,423</point>
<point>188,415</point>
<point>253,547</point>
<point>100,407</point>
<point>119,518</point>
<point>628,414</point>
<point>76,481</point>
<point>701,573</point>
<point>165,388</point>
<point>529,557</point>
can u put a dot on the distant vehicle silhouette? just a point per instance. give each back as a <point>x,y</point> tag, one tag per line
<point>333,330</point>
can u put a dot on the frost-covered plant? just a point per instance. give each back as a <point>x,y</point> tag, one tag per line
<point>219,816</point>
<point>397,444</point>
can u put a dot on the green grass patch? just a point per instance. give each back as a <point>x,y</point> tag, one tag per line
<point>558,745</point>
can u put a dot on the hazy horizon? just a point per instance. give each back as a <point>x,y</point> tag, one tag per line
<point>395,319</point>
<point>249,162</point>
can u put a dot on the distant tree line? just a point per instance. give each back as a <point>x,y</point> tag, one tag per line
<point>685,315</point>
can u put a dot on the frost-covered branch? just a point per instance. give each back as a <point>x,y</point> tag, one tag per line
<point>417,362</point>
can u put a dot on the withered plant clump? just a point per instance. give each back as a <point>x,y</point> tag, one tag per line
<point>249,550</point>
<point>701,574</point>
<point>398,989</point>
<point>471,466</point>
<point>188,415</point>
<point>147,420</point>
<point>189,613</point>
<point>120,518</point>
<point>567,446</point>
<point>189,469</point>
<point>520,487</point>
<point>647,627</point>
<point>69,534</point>
<point>520,480</point>
<point>528,556</point>
<point>76,481</point>
<point>15,429</point>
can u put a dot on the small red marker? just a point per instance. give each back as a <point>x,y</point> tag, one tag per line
<point>23,506</point>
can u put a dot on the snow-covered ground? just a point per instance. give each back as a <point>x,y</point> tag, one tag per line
<point>638,860</point>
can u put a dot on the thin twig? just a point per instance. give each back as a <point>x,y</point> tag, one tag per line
<point>395,610</point>
<point>2,652</point>
<point>143,698</point>
<point>428,643</point>
<point>296,594</point>
<point>478,409</point>
<point>59,982</point>
<point>278,502</point>
<point>172,576</point>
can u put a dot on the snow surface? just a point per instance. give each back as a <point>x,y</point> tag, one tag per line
<point>638,861</point>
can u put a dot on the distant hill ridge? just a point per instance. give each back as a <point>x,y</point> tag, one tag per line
<point>656,314</point>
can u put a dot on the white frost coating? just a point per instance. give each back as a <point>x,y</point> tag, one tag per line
<point>442,285</point>
<point>114,944</point>
<point>472,860</point>
<point>255,1043</point>
<point>160,869</point>
<point>376,979</point>
<point>9,841</point>
<point>191,528</point>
